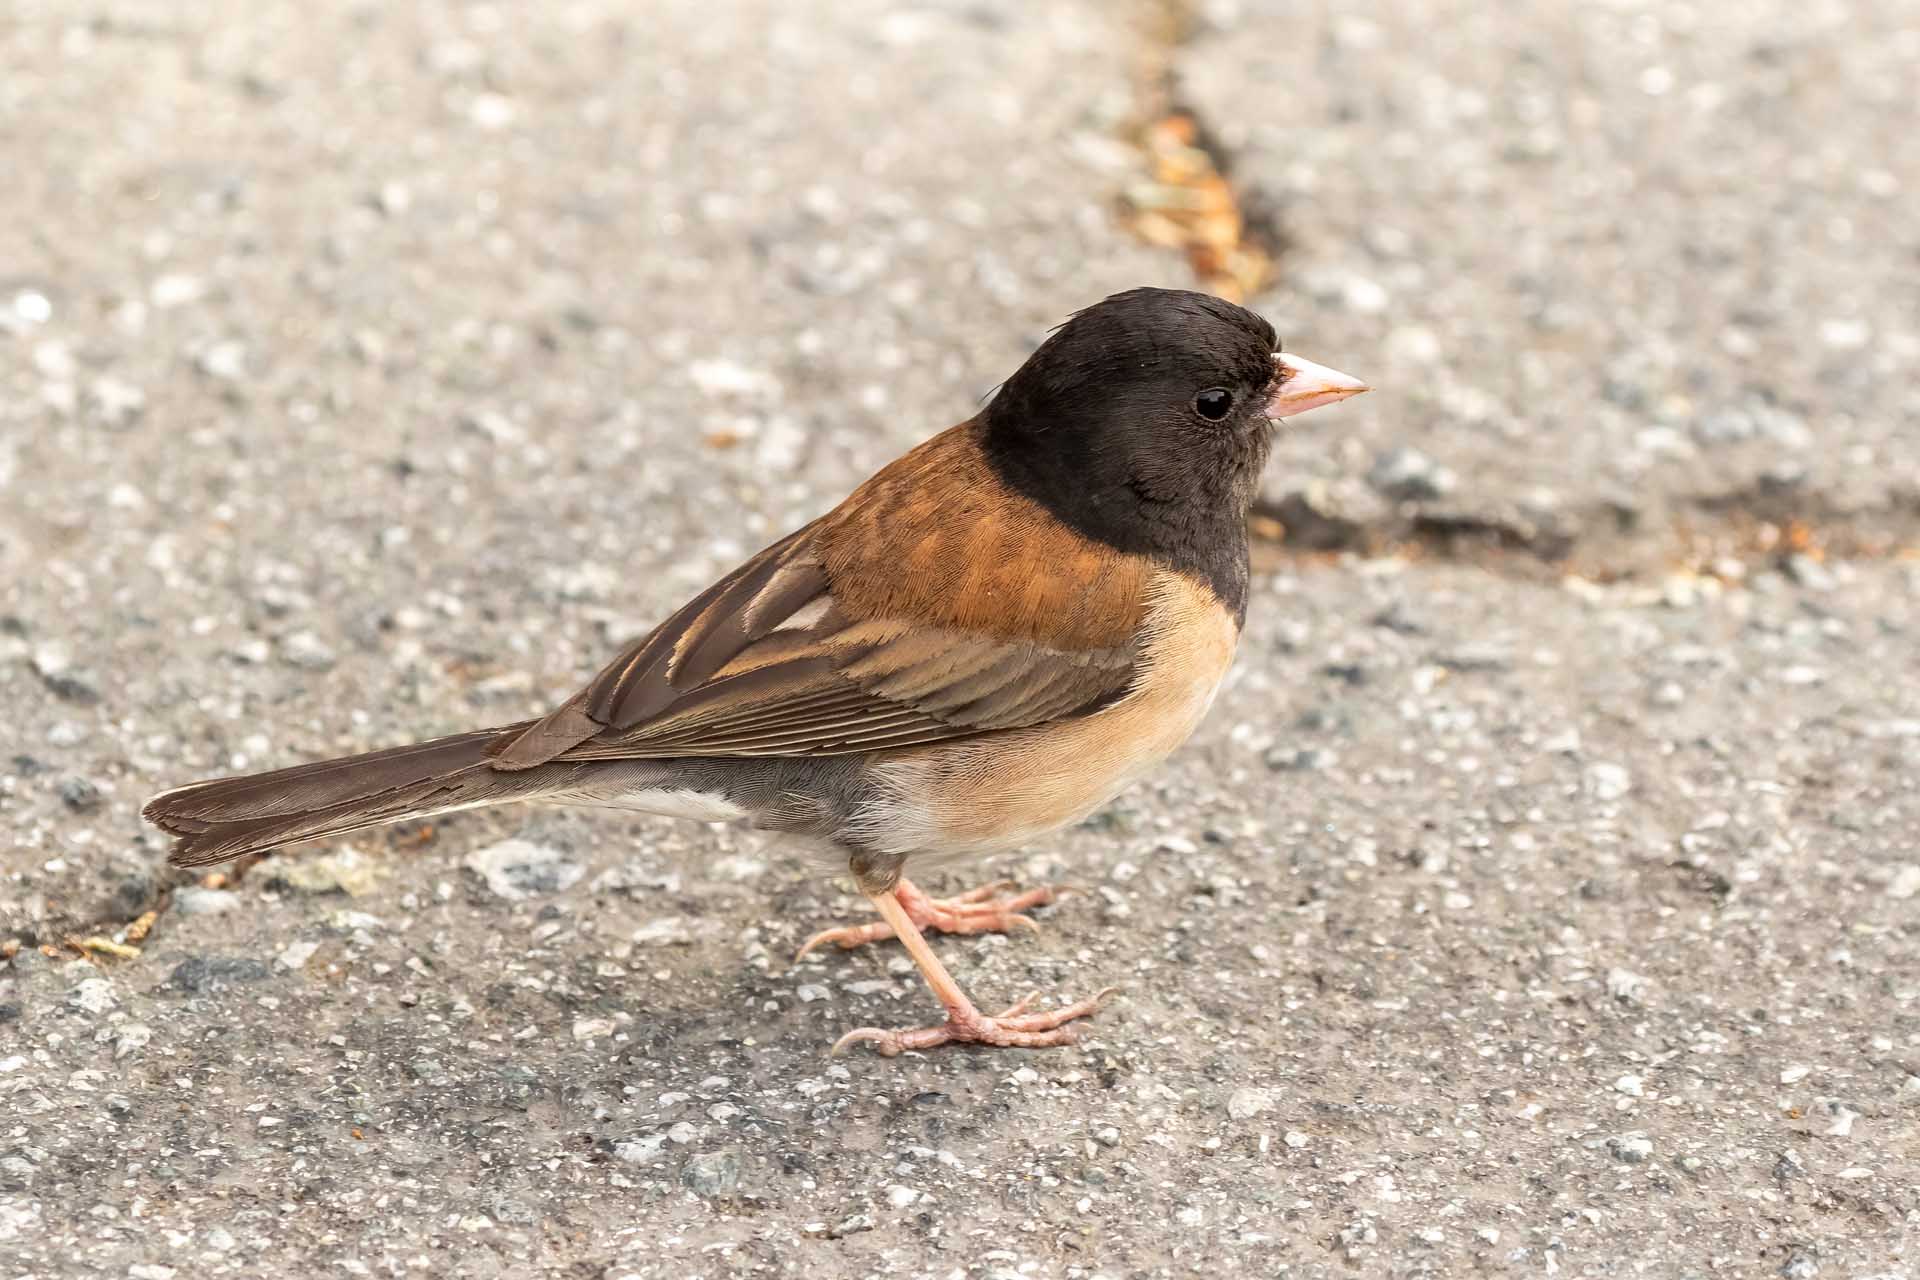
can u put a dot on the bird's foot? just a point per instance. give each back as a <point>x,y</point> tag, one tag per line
<point>976,911</point>
<point>1013,1028</point>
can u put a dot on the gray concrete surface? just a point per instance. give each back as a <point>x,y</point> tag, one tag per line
<point>1630,269</point>
<point>366,374</point>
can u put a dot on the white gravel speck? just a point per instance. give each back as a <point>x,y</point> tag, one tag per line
<point>193,901</point>
<point>176,289</point>
<point>1632,1086</point>
<point>1608,781</point>
<point>92,995</point>
<point>592,1028</point>
<point>1247,1103</point>
<point>224,361</point>
<point>641,1150</point>
<point>1630,1148</point>
<point>520,869</point>
<point>491,111</point>
<point>296,954</point>
<point>1794,1074</point>
<point>1624,984</point>
<point>1905,882</point>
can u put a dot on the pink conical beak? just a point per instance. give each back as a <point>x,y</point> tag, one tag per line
<point>1305,385</point>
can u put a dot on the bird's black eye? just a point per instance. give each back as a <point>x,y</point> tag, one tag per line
<point>1214,403</point>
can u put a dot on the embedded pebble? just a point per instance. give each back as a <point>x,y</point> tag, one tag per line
<point>1408,475</point>
<point>516,869</point>
<point>296,954</point>
<point>641,1150</point>
<point>194,901</point>
<point>712,1174</point>
<point>1247,1103</point>
<point>92,995</point>
<point>1630,1148</point>
<point>1608,781</point>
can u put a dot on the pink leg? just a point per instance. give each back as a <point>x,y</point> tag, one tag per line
<point>976,911</point>
<point>1014,1027</point>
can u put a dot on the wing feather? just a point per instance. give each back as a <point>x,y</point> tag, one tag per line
<point>796,654</point>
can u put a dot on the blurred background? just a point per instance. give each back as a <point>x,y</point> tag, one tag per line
<point>1540,894</point>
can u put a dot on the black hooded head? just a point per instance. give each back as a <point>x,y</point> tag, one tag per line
<point>1142,422</point>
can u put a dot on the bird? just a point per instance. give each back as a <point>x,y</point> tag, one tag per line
<point>986,641</point>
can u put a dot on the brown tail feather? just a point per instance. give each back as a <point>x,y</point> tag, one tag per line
<point>223,818</point>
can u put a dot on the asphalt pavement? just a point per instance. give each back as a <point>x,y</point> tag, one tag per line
<point>1542,896</point>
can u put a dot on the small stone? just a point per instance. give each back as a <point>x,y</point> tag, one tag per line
<point>900,1197</point>
<point>349,871</point>
<point>728,378</point>
<point>1808,572</point>
<point>1407,475</point>
<point>393,199</point>
<point>1626,985</point>
<point>224,361</point>
<point>54,360</point>
<point>1300,759</point>
<point>92,995</point>
<point>1843,1118</point>
<point>80,795</point>
<point>1800,1266</point>
<point>1905,882</point>
<point>491,111</point>
<point>296,954</point>
<point>176,290</point>
<point>1608,781</point>
<point>1248,1103</point>
<point>1630,1148</point>
<point>31,306</point>
<point>592,1028</point>
<point>354,922</point>
<point>1795,1074</point>
<point>517,869</point>
<point>199,975</point>
<point>1632,1086</point>
<point>1296,1139</point>
<point>712,1174</point>
<point>1109,1136</point>
<point>307,651</point>
<point>132,1038</point>
<point>113,403</point>
<point>808,992</point>
<point>641,1150</point>
<point>675,930</point>
<point>203,902</point>
<point>55,670</point>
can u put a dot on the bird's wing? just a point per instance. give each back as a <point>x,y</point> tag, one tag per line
<point>932,604</point>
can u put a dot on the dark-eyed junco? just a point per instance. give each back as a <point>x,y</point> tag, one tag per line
<point>986,641</point>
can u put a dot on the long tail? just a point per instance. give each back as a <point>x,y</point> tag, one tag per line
<point>222,819</point>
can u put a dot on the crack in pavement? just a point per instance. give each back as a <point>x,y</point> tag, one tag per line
<point>1187,201</point>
